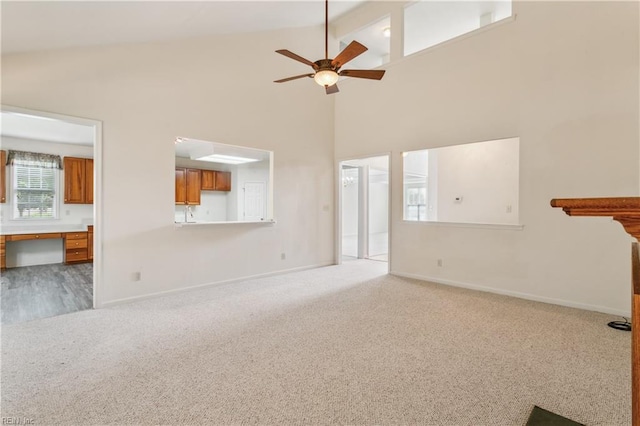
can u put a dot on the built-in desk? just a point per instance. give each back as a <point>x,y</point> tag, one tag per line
<point>76,240</point>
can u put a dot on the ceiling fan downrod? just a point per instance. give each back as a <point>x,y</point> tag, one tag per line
<point>326,29</point>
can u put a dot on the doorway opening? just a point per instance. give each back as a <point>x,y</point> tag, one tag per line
<point>50,183</point>
<point>364,209</point>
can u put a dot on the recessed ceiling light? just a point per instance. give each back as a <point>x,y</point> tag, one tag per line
<point>226,159</point>
<point>386,31</point>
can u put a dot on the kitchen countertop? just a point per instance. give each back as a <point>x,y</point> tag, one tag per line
<point>42,229</point>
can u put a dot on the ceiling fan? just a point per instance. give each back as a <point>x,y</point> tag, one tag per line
<point>327,71</point>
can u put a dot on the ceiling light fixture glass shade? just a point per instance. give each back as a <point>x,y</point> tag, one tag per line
<point>326,77</point>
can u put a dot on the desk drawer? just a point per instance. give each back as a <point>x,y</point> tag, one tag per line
<point>24,237</point>
<point>76,255</point>
<point>75,244</point>
<point>75,235</point>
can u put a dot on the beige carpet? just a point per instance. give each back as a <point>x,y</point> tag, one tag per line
<point>337,345</point>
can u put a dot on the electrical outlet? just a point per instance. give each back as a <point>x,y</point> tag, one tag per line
<point>509,209</point>
<point>283,256</point>
<point>439,262</point>
<point>136,276</point>
<point>67,212</point>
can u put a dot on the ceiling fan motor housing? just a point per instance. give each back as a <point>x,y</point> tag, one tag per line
<point>325,65</point>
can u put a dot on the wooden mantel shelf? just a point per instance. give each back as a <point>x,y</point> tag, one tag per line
<point>625,210</point>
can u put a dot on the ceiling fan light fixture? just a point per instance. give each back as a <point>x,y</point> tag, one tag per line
<point>326,77</point>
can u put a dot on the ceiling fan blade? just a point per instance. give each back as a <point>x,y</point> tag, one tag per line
<point>370,74</point>
<point>351,51</point>
<point>298,58</point>
<point>293,78</point>
<point>331,89</point>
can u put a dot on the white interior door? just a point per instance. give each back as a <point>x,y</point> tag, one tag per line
<point>254,201</point>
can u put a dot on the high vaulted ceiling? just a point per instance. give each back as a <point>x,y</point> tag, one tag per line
<point>44,25</point>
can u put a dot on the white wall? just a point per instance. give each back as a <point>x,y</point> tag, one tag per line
<point>485,176</point>
<point>25,253</point>
<point>205,89</point>
<point>571,94</point>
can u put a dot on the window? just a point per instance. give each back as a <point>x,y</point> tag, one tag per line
<point>427,23</point>
<point>470,183</point>
<point>34,185</point>
<point>375,37</point>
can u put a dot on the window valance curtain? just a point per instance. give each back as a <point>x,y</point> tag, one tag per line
<point>34,159</point>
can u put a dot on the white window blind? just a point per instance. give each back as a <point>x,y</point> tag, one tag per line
<point>34,192</point>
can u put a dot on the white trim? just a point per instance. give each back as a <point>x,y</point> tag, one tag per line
<point>97,188</point>
<point>517,294</point>
<point>211,284</point>
<point>498,226</point>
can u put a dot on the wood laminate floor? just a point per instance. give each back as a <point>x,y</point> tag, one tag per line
<point>32,292</point>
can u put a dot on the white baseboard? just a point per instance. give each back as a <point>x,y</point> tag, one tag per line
<point>211,284</point>
<point>517,294</point>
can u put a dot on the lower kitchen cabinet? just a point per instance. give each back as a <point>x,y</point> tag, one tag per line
<point>90,242</point>
<point>3,253</point>
<point>76,246</point>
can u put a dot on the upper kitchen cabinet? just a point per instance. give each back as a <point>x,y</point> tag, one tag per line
<point>78,180</point>
<point>3,176</point>
<point>88,181</point>
<point>213,180</point>
<point>208,180</point>
<point>223,181</point>
<point>188,186</point>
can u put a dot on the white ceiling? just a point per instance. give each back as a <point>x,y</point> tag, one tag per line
<point>26,126</point>
<point>43,25</point>
<point>194,148</point>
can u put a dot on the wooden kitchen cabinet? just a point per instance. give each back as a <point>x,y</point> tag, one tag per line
<point>76,246</point>
<point>213,180</point>
<point>188,186</point>
<point>208,180</point>
<point>78,180</point>
<point>88,181</point>
<point>223,181</point>
<point>90,242</point>
<point>3,253</point>
<point>3,176</point>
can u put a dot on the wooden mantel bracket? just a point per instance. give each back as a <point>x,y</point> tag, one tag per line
<point>625,210</point>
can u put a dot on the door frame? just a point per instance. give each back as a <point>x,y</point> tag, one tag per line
<point>338,200</point>
<point>97,188</point>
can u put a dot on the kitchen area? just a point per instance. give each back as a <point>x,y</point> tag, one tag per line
<point>220,183</point>
<point>46,216</point>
